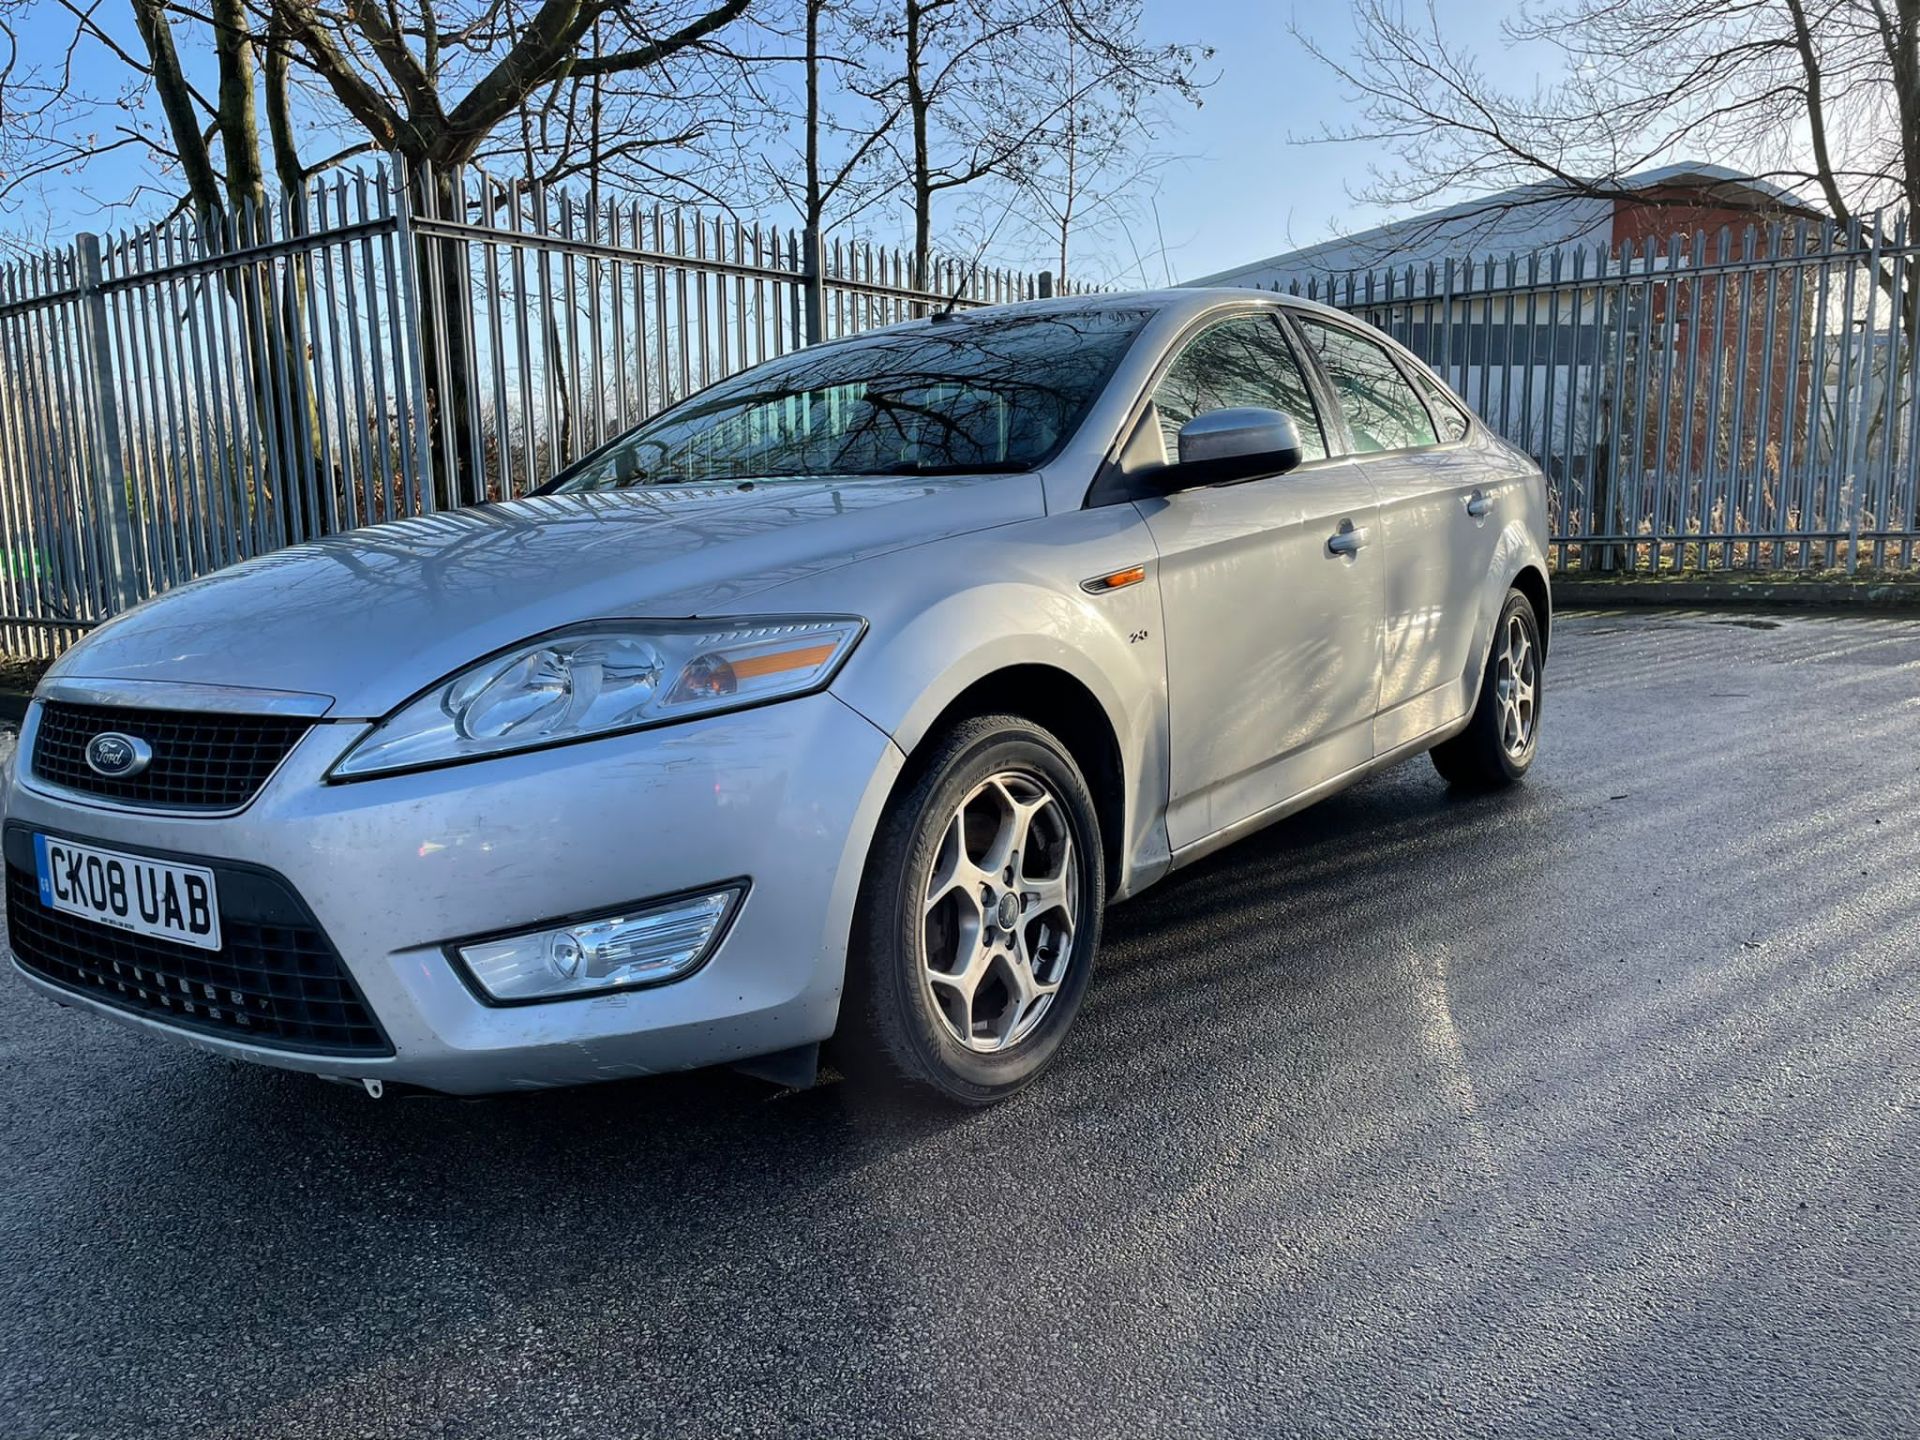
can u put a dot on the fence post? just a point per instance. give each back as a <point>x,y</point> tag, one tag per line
<point>412,311</point>
<point>813,284</point>
<point>1045,286</point>
<point>1852,499</point>
<point>109,471</point>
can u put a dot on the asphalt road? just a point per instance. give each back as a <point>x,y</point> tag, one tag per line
<point>1589,1109</point>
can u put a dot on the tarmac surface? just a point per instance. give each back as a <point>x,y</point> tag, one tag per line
<point>1591,1108</point>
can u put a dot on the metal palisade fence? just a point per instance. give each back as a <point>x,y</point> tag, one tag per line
<point>388,344</point>
<point>391,344</point>
<point>1741,400</point>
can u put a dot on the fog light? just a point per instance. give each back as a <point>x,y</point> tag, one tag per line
<point>564,952</point>
<point>641,946</point>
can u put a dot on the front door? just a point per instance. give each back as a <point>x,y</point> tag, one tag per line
<point>1272,638</point>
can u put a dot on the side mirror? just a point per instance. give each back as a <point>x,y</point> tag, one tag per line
<point>1239,443</point>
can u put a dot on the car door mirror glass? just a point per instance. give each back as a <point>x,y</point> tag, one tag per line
<point>1238,443</point>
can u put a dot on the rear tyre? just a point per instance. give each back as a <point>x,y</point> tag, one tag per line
<point>978,918</point>
<point>1498,745</point>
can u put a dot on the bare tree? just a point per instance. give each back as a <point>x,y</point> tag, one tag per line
<point>1822,96</point>
<point>858,136</point>
<point>834,170</point>
<point>436,85</point>
<point>985,84</point>
<point>1041,101</point>
<point>212,140</point>
<point>436,82</point>
<point>1088,166</point>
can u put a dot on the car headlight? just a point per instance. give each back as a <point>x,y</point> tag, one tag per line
<point>603,678</point>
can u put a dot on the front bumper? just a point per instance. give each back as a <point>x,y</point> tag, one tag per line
<point>395,868</point>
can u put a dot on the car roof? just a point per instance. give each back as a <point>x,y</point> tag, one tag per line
<point>1181,301</point>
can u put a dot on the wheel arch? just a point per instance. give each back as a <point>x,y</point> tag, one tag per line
<point>1531,581</point>
<point>1063,705</point>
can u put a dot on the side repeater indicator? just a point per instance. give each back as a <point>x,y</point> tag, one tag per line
<point>1116,580</point>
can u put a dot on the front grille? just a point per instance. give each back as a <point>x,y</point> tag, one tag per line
<point>200,761</point>
<point>275,981</point>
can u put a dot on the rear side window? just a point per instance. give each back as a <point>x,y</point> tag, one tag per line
<point>1447,411</point>
<point>1382,410</point>
<point>1242,361</point>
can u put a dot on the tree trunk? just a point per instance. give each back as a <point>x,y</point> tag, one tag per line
<point>176,102</point>
<point>445,341</point>
<point>918,110</point>
<point>1073,159</point>
<point>239,125</point>
<point>291,177</point>
<point>815,202</point>
<point>1066,207</point>
<point>813,229</point>
<point>287,168</point>
<point>269,295</point>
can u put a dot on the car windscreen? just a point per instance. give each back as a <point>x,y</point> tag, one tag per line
<point>964,394</point>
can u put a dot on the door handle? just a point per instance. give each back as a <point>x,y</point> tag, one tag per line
<point>1478,505</point>
<point>1346,541</point>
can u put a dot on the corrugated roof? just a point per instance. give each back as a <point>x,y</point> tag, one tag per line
<point>1718,184</point>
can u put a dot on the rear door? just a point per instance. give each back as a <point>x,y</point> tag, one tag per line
<point>1436,508</point>
<point>1273,641</point>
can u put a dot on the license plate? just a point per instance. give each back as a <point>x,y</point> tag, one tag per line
<point>129,892</point>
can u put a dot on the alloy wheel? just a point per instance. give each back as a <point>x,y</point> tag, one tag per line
<point>1516,684</point>
<point>1002,905</point>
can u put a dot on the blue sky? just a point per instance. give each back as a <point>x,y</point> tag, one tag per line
<point>1247,192</point>
<point>1241,188</point>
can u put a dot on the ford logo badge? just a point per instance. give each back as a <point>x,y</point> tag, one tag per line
<point>118,756</point>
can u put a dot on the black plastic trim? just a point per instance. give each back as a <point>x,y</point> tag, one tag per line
<point>262,897</point>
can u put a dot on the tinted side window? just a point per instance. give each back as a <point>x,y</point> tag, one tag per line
<point>1448,413</point>
<point>1242,361</point>
<point>1381,408</point>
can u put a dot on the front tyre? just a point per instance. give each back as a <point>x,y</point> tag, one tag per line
<point>1500,741</point>
<point>978,918</point>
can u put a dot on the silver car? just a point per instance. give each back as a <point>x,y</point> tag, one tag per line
<point>833,704</point>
